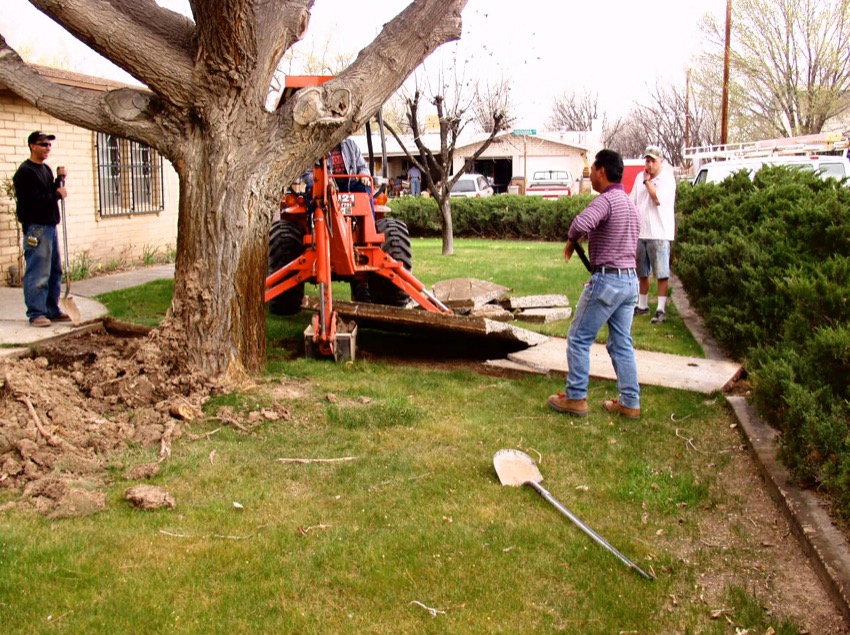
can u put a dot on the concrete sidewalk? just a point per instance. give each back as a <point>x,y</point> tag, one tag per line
<point>15,329</point>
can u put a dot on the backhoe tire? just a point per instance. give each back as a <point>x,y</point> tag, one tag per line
<point>397,245</point>
<point>360,290</point>
<point>285,245</point>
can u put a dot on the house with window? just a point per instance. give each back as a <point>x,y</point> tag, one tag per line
<point>122,195</point>
<point>511,157</point>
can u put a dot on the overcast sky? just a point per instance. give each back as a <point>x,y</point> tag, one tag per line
<point>543,47</point>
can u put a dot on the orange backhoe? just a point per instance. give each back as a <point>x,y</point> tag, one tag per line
<point>339,236</point>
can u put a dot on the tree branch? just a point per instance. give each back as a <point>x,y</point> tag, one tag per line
<point>131,34</point>
<point>126,111</point>
<point>394,54</point>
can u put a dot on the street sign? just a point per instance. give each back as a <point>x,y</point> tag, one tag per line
<point>523,132</point>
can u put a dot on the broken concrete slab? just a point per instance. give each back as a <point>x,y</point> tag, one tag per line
<point>381,316</point>
<point>507,364</point>
<point>654,369</point>
<point>536,302</point>
<point>468,293</point>
<point>493,312</point>
<point>545,316</point>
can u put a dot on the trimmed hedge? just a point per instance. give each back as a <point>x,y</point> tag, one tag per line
<point>504,216</point>
<point>767,264</point>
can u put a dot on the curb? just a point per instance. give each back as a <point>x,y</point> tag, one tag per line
<point>822,542</point>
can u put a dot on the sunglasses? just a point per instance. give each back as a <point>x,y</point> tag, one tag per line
<point>45,144</point>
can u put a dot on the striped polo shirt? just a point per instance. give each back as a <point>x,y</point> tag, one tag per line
<point>612,224</point>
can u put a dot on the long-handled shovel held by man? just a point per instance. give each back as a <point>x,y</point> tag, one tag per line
<point>66,303</point>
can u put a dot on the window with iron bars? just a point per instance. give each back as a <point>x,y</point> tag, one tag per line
<point>129,177</point>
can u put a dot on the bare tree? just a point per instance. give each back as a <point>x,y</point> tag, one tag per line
<point>790,62</point>
<point>660,120</point>
<point>574,111</point>
<point>492,100</point>
<point>453,114</point>
<point>208,79</point>
<point>627,135</point>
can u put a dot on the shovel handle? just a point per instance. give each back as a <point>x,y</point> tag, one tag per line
<point>582,256</point>
<point>578,523</point>
<point>65,239</point>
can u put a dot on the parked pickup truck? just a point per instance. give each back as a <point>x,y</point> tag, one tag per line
<point>551,184</point>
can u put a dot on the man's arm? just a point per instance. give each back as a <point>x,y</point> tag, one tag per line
<point>651,188</point>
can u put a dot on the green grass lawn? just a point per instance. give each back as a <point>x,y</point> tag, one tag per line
<point>417,519</point>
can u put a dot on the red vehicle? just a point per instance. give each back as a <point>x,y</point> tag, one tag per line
<point>632,168</point>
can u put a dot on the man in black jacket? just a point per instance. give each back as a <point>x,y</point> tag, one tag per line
<point>38,194</point>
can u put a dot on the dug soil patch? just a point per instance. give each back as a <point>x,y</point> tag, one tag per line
<point>74,405</point>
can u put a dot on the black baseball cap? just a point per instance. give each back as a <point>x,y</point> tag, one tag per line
<point>37,136</point>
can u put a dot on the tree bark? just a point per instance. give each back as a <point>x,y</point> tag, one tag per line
<point>448,236</point>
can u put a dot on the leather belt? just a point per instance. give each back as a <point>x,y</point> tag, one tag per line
<point>618,271</point>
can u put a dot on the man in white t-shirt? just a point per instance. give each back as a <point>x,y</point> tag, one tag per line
<point>654,194</point>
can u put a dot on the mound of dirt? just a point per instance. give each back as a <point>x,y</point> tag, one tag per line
<point>71,407</point>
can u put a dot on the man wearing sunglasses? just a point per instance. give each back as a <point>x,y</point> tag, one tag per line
<point>38,194</point>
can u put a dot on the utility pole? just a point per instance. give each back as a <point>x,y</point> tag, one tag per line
<point>724,107</point>
<point>688,108</point>
<point>686,163</point>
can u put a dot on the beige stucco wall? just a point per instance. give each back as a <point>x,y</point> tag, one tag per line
<point>103,241</point>
<point>539,153</point>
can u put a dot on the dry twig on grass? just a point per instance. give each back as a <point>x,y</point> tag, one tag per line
<point>306,530</point>
<point>344,458</point>
<point>231,422</point>
<point>689,441</point>
<point>433,612</point>
<point>198,437</point>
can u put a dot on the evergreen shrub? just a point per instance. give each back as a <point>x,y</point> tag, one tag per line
<point>767,264</point>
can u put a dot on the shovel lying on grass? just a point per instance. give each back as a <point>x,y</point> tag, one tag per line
<point>516,468</point>
<point>67,303</point>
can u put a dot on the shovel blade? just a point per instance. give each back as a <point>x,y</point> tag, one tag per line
<point>516,468</point>
<point>69,307</point>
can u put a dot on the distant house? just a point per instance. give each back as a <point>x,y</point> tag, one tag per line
<point>509,155</point>
<point>122,195</point>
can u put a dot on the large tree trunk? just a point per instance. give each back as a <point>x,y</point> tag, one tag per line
<point>218,308</point>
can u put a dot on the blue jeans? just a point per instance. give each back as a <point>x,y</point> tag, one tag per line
<point>43,275</point>
<point>415,186</point>
<point>608,298</point>
<point>653,257</point>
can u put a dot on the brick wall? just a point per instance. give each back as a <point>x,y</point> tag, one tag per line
<point>103,241</point>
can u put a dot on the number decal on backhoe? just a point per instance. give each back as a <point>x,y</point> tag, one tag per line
<point>346,202</point>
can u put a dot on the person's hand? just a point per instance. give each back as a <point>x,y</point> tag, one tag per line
<point>61,172</point>
<point>62,192</point>
<point>568,251</point>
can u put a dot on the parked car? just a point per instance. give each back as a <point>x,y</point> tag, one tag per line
<point>829,166</point>
<point>552,184</point>
<point>472,186</point>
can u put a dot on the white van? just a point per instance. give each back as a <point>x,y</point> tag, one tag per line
<point>829,166</point>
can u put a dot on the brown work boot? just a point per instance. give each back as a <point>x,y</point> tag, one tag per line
<point>560,403</point>
<point>612,405</point>
<point>40,321</point>
<point>61,317</point>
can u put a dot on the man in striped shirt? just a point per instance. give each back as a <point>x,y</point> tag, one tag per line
<point>611,224</point>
